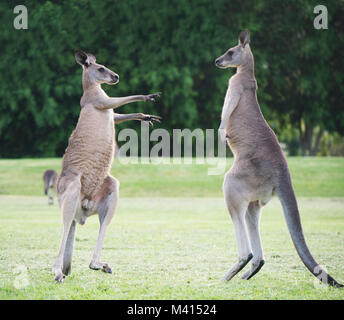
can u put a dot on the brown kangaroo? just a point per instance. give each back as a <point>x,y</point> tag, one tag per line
<point>85,186</point>
<point>260,169</point>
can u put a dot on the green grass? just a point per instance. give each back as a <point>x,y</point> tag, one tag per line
<point>167,240</point>
<point>320,177</point>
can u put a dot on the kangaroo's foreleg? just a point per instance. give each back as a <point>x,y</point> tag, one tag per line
<point>231,101</point>
<point>252,221</point>
<point>118,118</point>
<point>70,201</point>
<point>112,103</point>
<point>106,201</point>
<point>237,207</point>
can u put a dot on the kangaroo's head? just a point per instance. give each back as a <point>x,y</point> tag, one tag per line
<point>94,73</point>
<point>237,56</point>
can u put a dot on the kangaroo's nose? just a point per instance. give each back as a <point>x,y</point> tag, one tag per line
<point>115,77</point>
<point>217,61</point>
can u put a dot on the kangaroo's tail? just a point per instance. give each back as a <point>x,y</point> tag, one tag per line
<point>287,197</point>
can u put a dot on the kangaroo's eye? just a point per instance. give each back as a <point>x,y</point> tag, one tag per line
<point>101,69</point>
<point>230,53</point>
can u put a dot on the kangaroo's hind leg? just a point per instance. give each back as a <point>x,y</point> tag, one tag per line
<point>237,207</point>
<point>50,196</point>
<point>252,221</point>
<point>105,203</point>
<point>67,257</point>
<point>69,199</point>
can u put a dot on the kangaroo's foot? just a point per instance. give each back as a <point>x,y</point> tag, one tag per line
<point>59,276</point>
<point>237,267</point>
<point>100,266</point>
<point>255,267</point>
<point>67,269</point>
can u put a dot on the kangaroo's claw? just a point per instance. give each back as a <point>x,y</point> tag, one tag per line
<point>152,97</point>
<point>150,119</point>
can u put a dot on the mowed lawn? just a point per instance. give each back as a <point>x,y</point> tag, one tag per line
<point>171,237</point>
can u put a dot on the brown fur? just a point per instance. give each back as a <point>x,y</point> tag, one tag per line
<point>85,186</point>
<point>91,149</point>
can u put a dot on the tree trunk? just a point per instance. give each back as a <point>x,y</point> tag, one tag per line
<point>306,140</point>
<point>315,148</point>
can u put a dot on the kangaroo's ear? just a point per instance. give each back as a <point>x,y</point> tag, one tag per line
<point>244,38</point>
<point>82,58</point>
<point>91,58</point>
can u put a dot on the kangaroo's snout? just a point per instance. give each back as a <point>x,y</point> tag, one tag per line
<point>219,62</point>
<point>115,78</point>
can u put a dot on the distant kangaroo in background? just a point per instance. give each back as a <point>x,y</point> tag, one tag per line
<point>85,186</point>
<point>49,179</point>
<point>259,170</point>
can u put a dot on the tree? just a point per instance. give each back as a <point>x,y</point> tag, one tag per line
<point>305,71</point>
<point>167,46</point>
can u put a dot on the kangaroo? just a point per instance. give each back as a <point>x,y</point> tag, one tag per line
<point>49,178</point>
<point>260,169</point>
<point>85,186</point>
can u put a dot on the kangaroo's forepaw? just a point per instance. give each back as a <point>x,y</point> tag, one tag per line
<point>255,267</point>
<point>152,97</point>
<point>100,266</point>
<point>151,118</point>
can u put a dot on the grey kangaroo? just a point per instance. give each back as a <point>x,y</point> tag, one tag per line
<point>259,170</point>
<point>85,186</point>
<point>49,179</point>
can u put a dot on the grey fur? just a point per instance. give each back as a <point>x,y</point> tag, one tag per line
<point>260,168</point>
<point>50,179</point>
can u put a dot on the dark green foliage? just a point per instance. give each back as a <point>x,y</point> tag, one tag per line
<point>168,46</point>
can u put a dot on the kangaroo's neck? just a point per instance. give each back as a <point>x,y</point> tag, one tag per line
<point>247,127</point>
<point>246,70</point>
<point>91,90</point>
<point>245,75</point>
<point>87,84</point>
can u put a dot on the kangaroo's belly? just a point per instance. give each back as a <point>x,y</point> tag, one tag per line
<point>96,168</point>
<point>90,152</point>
